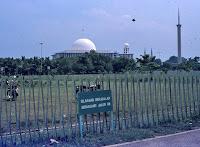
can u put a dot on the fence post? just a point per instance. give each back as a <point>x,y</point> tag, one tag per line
<point>161,94</point>
<point>141,101</point>
<point>196,94</point>
<point>184,96</point>
<point>179,97</point>
<point>100,80</point>
<point>151,92</point>
<point>165,95</point>
<point>156,100</point>
<point>175,98</point>
<point>198,99</point>
<point>80,126</point>
<point>116,101</point>
<point>171,98</point>
<point>112,121</point>
<point>107,87</point>
<point>18,121</point>
<point>193,95</point>
<point>29,107</point>
<point>6,109</point>
<point>47,105</point>
<point>122,94</point>
<point>54,115</point>
<point>10,118</point>
<point>68,109</point>
<point>136,100</point>
<point>50,86</point>
<point>34,108</point>
<point>60,113</point>
<point>125,98</point>
<point>2,84</point>
<point>42,92</point>
<point>25,112</point>
<point>72,87</point>
<point>76,111</point>
<point>190,97</point>
<point>131,98</point>
<point>148,99</point>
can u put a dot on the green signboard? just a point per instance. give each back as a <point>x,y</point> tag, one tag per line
<point>94,102</point>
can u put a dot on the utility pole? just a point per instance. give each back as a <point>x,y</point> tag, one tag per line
<point>41,54</point>
<point>159,54</point>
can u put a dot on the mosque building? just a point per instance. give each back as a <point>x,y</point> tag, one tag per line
<point>84,46</point>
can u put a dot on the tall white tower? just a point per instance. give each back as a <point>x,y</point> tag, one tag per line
<point>126,48</point>
<point>179,38</point>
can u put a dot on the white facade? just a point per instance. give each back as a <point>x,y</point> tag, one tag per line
<point>84,46</point>
<point>126,48</point>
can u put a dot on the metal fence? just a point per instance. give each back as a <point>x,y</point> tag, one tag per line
<point>46,106</point>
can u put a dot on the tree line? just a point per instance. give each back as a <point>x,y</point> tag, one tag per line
<point>91,63</point>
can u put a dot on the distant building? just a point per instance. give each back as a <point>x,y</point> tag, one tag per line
<point>84,46</point>
<point>126,52</point>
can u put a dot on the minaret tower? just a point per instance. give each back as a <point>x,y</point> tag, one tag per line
<point>145,52</point>
<point>151,53</point>
<point>179,38</point>
<point>126,48</point>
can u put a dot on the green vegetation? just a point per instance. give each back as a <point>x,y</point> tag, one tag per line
<point>126,135</point>
<point>133,134</point>
<point>139,101</point>
<point>147,63</point>
<point>91,63</point>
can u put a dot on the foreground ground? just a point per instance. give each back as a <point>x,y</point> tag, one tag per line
<point>129,135</point>
<point>189,138</point>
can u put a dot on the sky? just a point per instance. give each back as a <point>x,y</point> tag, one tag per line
<point>24,24</point>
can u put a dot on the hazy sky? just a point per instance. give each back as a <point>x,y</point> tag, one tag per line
<point>58,23</point>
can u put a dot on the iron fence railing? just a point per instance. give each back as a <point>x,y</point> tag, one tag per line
<point>45,107</point>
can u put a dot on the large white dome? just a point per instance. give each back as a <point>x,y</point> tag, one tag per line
<point>83,44</point>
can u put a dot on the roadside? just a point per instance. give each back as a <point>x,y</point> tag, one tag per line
<point>125,135</point>
<point>188,138</point>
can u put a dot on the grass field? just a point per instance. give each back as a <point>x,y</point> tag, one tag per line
<point>45,103</point>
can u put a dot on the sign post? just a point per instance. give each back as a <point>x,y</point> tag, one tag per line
<point>94,102</point>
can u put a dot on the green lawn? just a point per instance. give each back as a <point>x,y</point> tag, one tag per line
<point>139,100</point>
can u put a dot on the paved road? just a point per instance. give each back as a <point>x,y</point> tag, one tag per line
<point>183,139</point>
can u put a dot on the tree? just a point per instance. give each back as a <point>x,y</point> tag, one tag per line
<point>122,64</point>
<point>166,66</point>
<point>158,61</point>
<point>174,59</point>
<point>147,63</point>
<point>145,59</point>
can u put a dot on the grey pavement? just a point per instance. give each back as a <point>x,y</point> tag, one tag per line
<point>184,139</point>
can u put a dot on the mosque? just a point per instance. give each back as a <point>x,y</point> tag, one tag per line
<point>84,46</point>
